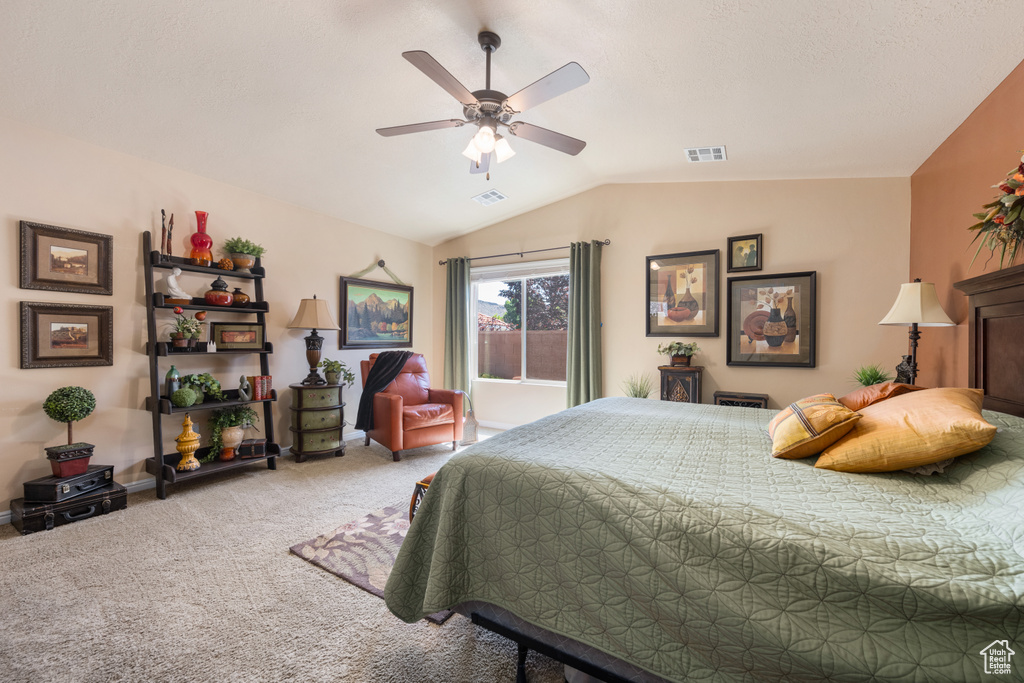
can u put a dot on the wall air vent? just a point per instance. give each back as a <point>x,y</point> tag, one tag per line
<point>489,197</point>
<point>709,153</point>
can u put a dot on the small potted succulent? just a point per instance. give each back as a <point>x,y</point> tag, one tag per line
<point>186,330</point>
<point>335,370</point>
<point>204,385</point>
<point>243,253</point>
<point>680,352</point>
<point>868,375</point>
<point>69,404</point>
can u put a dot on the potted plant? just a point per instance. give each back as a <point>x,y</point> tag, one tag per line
<point>335,370</point>
<point>870,374</point>
<point>638,385</point>
<point>69,404</point>
<point>186,330</point>
<point>243,253</point>
<point>204,385</point>
<point>679,351</point>
<point>227,429</point>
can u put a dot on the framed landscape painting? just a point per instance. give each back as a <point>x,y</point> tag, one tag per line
<point>772,320</point>
<point>682,294</point>
<point>66,335</point>
<point>65,260</point>
<point>229,336</point>
<point>375,315</point>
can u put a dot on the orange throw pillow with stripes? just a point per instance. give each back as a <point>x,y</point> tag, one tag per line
<point>809,426</point>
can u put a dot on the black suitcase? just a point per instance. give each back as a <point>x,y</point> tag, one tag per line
<point>56,489</point>
<point>30,517</point>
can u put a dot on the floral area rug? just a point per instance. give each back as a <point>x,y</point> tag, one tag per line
<point>364,551</point>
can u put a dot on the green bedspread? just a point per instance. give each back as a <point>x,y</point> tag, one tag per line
<point>665,534</point>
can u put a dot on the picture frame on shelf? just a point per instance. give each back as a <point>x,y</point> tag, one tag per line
<point>230,336</point>
<point>772,320</point>
<point>744,253</point>
<point>59,259</point>
<point>375,315</point>
<point>682,294</point>
<point>66,335</point>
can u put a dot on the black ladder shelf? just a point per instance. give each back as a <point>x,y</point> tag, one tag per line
<point>163,465</point>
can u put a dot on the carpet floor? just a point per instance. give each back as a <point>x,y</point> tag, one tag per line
<point>202,587</point>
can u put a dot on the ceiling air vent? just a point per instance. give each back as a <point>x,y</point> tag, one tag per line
<point>489,197</point>
<point>710,153</point>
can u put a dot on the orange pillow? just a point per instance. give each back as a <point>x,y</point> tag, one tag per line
<point>806,427</point>
<point>911,430</point>
<point>876,393</point>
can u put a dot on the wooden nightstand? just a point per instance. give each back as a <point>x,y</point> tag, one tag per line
<point>318,418</point>
<point>741,400</point>
<point>680,383</point>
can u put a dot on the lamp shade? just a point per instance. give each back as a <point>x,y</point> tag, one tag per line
<point>917,303</point>
<point>313,315</point>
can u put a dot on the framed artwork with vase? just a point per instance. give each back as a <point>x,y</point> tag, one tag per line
<point>772,320</point>
<point>682,294</point>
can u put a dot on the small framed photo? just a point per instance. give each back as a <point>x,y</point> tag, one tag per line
<point>375,315</point>
<point>772,320</point>
<point>65,260</point>
<point>682,294</point>
<point>66,335</point>
<point>237,335</point>
<point>744,253</point>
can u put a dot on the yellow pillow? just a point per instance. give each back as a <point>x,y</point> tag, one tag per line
<point>912,430</point>
<point>806,427</point>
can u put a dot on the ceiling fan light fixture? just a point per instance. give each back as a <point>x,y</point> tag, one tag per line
<point>484,138</point>
<point>502,150</point>
<point>472,152</point>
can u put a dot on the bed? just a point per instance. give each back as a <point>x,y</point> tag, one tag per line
<point>651,540</point>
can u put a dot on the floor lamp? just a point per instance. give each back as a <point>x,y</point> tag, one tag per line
<point>917,305</point>
<point>313,315</point>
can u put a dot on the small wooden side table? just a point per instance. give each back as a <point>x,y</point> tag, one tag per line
<point>318,418</point>
<point>680,383</point>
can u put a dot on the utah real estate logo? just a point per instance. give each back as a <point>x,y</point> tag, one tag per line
<point>997,657</point>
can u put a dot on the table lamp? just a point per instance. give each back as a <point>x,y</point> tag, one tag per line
<point>916,305</point>
<point>313,315</point>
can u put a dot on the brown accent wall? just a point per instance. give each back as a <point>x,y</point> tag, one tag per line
<point>950,186</point>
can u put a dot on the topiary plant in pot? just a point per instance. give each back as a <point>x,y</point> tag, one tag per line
<point>69,404</point>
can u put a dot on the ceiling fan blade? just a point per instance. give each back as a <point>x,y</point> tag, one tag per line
<point>420,127</point>
<point>554,84</point>
<point>440,75</point>
<point>548,138</point>
<point>483,166</point>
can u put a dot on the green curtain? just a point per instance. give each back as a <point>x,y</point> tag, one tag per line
<point>456,325</point>
<point>584,381</point>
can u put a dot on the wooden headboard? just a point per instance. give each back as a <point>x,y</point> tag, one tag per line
<point>996,319</point>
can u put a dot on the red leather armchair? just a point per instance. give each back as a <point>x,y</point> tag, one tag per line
<point>409,414</point>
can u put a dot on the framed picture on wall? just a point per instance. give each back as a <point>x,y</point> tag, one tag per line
<point>229,336</point>
<point>375,315</point>
<point>66,335</point>
<point>682,294</point>
<point>65,260</point>
<point>744,253</point>
<point>772,320</point>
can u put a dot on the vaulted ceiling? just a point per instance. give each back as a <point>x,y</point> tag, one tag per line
<point>283,97</point>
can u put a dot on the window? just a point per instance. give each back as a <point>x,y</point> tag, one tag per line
<point>517,337</point>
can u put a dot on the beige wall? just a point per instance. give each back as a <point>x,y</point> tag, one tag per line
<point>855,233</point>
<point>59,181</point>
<point>946,191</point>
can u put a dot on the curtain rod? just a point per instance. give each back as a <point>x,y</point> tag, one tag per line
<point>520,253</point>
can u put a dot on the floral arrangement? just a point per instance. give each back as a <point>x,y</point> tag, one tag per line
<point>1002,223</point>
<point>189,327</point>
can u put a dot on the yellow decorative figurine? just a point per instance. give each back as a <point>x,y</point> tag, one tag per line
<point>188,442</point>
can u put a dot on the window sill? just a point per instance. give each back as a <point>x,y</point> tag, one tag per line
<point>529,382</point>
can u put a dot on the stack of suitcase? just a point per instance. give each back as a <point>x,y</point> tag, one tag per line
<point>55,501</point>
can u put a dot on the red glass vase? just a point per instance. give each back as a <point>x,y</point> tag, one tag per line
<point>201,242</point>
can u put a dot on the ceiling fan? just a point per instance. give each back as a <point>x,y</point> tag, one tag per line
<point>489,109</point>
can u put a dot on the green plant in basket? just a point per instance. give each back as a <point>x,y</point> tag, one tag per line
<point>337,367</point>
<point>69,404</point>
<point>236,416</point>
<point>205,385</point>
<point>678,349</point>
<point>867,375</point>
<point>238,245</point>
